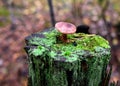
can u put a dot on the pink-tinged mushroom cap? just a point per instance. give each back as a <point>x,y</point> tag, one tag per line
<point>65,28</point>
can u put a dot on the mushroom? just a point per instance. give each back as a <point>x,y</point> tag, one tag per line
<point>65,28</point>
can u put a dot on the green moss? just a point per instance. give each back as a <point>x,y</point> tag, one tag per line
<point>52,60</point>
<point>38,51</point>
<point>1,24</point>
<point>86,42</point>
<point>4,11</point>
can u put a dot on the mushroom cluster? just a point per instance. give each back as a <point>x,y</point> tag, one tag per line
<point>65,28</point>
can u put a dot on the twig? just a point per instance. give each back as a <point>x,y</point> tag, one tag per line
<point>105,21</point>
<point>51,12</point>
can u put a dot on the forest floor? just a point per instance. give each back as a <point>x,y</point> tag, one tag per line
<point>13,59</point>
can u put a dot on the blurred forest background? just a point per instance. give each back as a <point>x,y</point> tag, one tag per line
<point>20,18</point>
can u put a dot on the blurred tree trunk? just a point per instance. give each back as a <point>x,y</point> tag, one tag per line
<point>104,5</point>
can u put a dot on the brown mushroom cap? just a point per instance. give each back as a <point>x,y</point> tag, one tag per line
<point>65,28</point>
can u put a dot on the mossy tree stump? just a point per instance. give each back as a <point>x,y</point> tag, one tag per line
<point>81,62</point>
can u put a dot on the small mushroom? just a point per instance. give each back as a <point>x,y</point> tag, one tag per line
<point>65,28</point>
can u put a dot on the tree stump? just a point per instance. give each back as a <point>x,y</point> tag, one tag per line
<point>80,62</point>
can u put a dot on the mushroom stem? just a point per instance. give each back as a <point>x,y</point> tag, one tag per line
<point>64,37</point>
